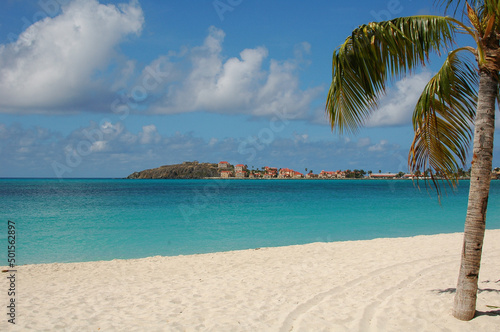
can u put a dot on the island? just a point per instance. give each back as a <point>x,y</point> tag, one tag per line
<point>186,170</point>
<point>224,170</point>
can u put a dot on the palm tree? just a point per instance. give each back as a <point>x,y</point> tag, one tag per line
<point>456,106</point>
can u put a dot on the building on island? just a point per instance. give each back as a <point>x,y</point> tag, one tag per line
<point>239,168</point>
<point>242,171</point>
<point>271,172</point>
<point>286,173</point>
<point>331,175</point>
<point>226,174</point>
<point>382,176</point>
<point>223,164</point>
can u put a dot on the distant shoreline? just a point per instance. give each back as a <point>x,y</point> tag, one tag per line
<point>299,179</point>
<point>217,178</point>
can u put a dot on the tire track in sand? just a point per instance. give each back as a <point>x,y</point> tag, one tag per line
<point>306,306</point>
<point>371,312</point>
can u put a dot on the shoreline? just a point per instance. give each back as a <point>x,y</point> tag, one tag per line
<point>4,267</point>
<point>220,178</point>
<point>384,284</point>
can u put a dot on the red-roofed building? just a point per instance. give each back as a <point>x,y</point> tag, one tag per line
<point>223,164</point>
<point>332,175</point>
<point>239,168</point>
<point>226,174</point>
<point>271,172</point>
<point>327,175</point>
<point>286,173</point>
<point>298,175</point>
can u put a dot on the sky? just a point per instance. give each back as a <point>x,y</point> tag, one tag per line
<point>96,88</point>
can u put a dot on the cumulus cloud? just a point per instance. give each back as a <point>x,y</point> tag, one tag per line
<point>99,146</point>
<point>54,62</point>
<point>149,135</point>
<point>396,108</point>
<point>381,146</point>
<point>241,84</point>
<point>62,64</point>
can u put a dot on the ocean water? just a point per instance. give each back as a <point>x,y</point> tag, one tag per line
<point>79,220</point>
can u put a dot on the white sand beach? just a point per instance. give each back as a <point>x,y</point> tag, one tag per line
<point>402,284</point>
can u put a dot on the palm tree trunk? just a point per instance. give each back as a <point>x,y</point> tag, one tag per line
<point>465,298</point>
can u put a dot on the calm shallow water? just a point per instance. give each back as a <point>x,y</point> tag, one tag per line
<point>96,219</point>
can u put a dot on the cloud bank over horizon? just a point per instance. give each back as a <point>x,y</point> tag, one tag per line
<point>114,151</point>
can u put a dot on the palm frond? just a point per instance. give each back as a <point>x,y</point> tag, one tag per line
<point>454,5</point>
<point>474,19</point>
<point>492,7</point>
<point>483,8</point>
<point>372,54</point>
<point>443,118</point>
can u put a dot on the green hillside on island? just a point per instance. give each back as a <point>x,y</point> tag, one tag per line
<point>186,170</point>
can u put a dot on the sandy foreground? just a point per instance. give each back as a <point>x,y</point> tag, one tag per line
<point>402,284</point>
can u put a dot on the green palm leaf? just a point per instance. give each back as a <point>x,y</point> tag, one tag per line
<point>491,6</point>
<point>374,52</point>
<point>443,118</point>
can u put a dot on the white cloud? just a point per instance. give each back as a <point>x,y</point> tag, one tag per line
<point>99,146</point>
<point>61,64</point>
<point>213,141</point>
<point>124,76</point>
<point>364,141</point>
<point>53,63</point>
<point>380,146</point>
<point>149,135</point>
<point>396,108</point>
<point>238,84</point>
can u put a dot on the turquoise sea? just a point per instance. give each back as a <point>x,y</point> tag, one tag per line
<point>102,219</point>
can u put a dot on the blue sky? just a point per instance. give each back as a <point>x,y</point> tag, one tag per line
<point>95,88</point>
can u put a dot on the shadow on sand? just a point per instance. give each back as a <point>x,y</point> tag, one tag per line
<point>454,290</point>
<point>492,313</point>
